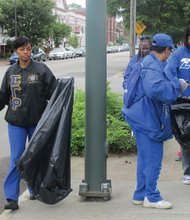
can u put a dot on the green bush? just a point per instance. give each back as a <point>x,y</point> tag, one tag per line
<point>78,123</point>
<point>118,131</point>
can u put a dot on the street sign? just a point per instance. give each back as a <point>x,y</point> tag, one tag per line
<point>140,27</point>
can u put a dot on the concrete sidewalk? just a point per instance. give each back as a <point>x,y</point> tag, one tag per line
<point>121,171</point>
<point>4,62</point>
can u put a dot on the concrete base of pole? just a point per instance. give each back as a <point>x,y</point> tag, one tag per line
<point>104,193</point>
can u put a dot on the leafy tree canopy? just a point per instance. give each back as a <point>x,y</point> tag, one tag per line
<point>59,31</point>
<point>34,18</point>
<point>73,41</point>
<point>160,16</point>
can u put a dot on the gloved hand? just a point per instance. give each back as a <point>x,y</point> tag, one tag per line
<point>184,85</point>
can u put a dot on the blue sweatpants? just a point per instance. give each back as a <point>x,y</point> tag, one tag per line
<point>149,163</point>
<point>17,139</point>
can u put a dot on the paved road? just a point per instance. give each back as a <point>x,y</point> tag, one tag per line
<point>116,64</point>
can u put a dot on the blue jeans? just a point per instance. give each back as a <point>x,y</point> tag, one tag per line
<point>17,138</point>
<point>149,163</point>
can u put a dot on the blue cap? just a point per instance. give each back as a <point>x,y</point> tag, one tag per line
<point>162,40</point>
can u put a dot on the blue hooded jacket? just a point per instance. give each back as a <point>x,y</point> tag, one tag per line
<point>135,59</point>
<point>151,113</point>
<point>179,66</point>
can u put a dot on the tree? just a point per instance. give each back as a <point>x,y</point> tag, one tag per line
<point>121,40</point>
<point>34,18</point>
<point>60,31</point>
<point>73,41</point>
<point>1,15</point>
<point>166,16</point>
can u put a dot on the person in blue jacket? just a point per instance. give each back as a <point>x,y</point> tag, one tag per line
<point>149,118</point>
<point>144,49</point>
<point>179,66</point>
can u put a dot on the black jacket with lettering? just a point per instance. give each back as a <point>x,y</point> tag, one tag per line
<point>26,92</point>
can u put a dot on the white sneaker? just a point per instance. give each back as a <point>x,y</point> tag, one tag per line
<point>137,202</point>
<point>158,205</point>
<point>186,180</point>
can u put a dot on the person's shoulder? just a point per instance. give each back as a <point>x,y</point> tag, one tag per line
<point>179,53</point>
<point>12,67</point>
<point>135,56</point>
<point>133,59</point>
<point>38,63</point>
<point>39,66</point>
<point>147,59</point>
<point>179,50</point>
<point>149,62</point>
<point>185,50</point>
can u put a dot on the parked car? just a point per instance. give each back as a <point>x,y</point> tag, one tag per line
<point>70,52</point>
<point>109,50</point>
<point>126,47</point>
<point>79,52</point>
<point>13,58</point>
<point>58,53</point>
<point>38,54</point>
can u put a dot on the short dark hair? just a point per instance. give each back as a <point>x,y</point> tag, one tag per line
<point>187,34</point>
<point>21,41</point>
<point>145,38</point>
<point>158,49</point>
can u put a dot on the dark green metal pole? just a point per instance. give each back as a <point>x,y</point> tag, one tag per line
<point>95,183</point>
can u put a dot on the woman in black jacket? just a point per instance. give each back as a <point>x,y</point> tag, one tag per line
<point>26,88</point>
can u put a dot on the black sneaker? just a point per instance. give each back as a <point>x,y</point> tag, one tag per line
<point>32,196</point>
<point>13,205</point>
<point>178,158</point>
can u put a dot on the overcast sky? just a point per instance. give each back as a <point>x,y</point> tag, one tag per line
<point>79,2</point>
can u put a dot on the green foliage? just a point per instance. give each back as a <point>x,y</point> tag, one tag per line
<point>121,40</point>
<point>73,41</point>
<point>60,31</point>
<point>118,131</point>
<point>160,16</point>
<point>34,18</point>
<point>78,124</point>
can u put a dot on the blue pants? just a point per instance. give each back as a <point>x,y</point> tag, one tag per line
<point>17,139</point>
<point>149,163</point>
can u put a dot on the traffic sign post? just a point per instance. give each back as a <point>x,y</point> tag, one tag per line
<point>132,27</point>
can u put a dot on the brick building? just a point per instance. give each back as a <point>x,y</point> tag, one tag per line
<point>75,19</point>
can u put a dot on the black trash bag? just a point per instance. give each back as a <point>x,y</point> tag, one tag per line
<point>181,121</point>
<point>45,164</point>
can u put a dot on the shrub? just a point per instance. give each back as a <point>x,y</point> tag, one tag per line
<point>118,131</point>
<point>78,123</point>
